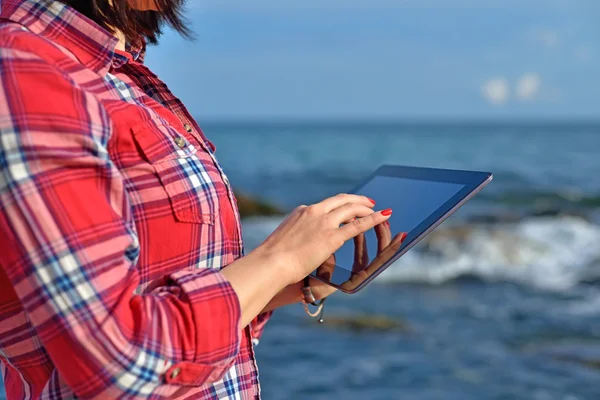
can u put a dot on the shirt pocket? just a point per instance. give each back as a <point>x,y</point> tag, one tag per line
<point>187,174</point>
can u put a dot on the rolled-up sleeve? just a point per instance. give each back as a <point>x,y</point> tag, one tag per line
<point>258,325</point>
<point>69,249</point>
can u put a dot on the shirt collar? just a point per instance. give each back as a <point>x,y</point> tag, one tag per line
<point>91,44</point>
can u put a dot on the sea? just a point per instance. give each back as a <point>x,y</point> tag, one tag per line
<point>506,306</point>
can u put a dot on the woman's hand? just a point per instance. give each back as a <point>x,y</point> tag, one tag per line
<point>320,289</point>
<point>383,233</point>
<point>310,235</point>
<point>387,248</point>
<point>307,237</point>
<point>361,253</point>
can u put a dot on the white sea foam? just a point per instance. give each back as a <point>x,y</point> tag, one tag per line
<point>548,253</point>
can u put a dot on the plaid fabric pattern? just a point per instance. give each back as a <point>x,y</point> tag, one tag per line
<point>115,220</point>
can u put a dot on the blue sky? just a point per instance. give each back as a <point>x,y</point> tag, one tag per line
<point>386,59</point>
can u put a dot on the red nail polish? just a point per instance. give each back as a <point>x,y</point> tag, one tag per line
<point>371,200</point>
<point>387,212</point>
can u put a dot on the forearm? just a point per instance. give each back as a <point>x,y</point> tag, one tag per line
<point>292,294</point>
<point>257,280</point>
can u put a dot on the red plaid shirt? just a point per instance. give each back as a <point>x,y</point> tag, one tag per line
<point>115,220</point>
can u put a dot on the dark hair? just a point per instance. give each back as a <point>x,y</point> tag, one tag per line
<point>119,15</point>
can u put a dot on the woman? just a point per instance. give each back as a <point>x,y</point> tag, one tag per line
<point>122,272</point>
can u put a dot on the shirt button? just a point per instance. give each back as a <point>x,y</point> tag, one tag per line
<point>175,373</point>
<point>188,128</point>
<point>180,141</point>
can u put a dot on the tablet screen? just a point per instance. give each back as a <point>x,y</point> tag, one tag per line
<point>420,198</point>
<point>412,201</point>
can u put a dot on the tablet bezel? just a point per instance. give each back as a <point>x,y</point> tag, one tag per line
<point>474,181</point>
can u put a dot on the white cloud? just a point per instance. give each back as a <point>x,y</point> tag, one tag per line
<point>546,37</point>
<point>496,90</point>
<point>528,86</point>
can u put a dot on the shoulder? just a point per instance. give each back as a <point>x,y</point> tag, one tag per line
<point>21,48</point>
<point>29,74</point>
<point>39,94</point>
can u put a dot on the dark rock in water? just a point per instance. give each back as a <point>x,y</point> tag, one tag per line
<point>584,362</point>
<point>556,341</point>
<point>367,323</point>
<point>495,218</point>
<point>575,348</point>
<point>535,212</point>
<point>252,207</point>
<point>558,212</point>
<point>546,199</point>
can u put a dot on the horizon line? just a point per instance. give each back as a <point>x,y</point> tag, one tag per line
<point>537,121</point>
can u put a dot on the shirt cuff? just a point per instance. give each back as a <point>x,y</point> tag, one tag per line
<point>216,313</point>
<point>258,325</point>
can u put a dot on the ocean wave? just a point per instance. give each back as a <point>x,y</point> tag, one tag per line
<point>548,253</point>
<point>551,253</point>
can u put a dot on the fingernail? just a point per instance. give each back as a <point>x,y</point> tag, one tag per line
<point>387,212</point>
<point>387,223</point>
<point>371,200</point>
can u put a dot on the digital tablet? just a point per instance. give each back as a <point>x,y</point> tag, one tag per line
<point>421,199</point>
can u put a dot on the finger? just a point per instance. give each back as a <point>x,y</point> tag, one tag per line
<point>320,289</point>
<point>397,241</point>
<point>354,280</point>
<point>325,271</point>
<point>361,253</point>
<point>384,236</point>
<point>386,253</point>
<point>347,212</point>
<point>365,251</point>
<point>399,238</point>
<point>334,202</point>
<point>358,278</point>
<point>362,224</point>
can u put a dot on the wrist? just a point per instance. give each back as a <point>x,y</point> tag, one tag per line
<point>277,263</point>
<point>321,290</point>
